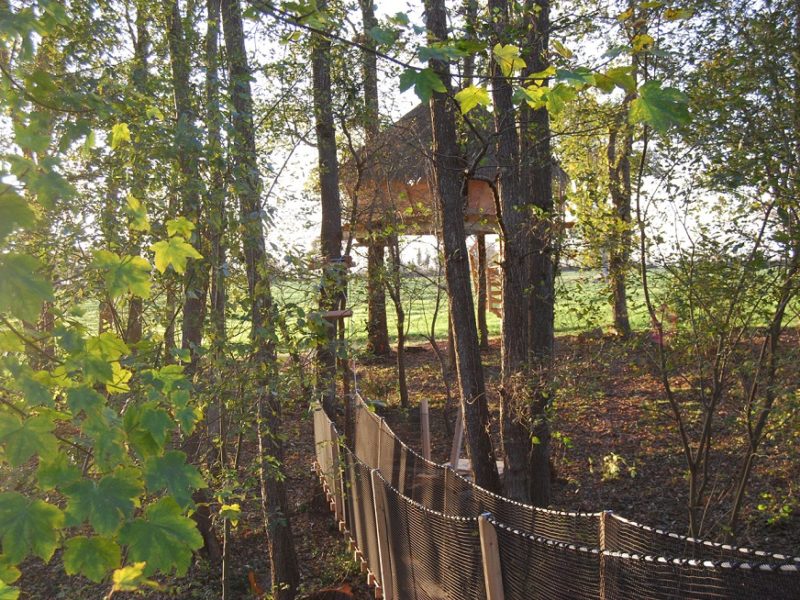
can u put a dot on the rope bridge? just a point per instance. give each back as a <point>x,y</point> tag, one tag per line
<point>423,532</point>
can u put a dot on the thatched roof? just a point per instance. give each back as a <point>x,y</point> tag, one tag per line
<point>402,151</point>
<point>393,182</point>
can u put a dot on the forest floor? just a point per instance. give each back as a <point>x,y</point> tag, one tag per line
<point>615,447</point>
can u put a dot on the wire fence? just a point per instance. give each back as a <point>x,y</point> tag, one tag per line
<point>424,532</point>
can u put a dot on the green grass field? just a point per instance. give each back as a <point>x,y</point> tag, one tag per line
<point>582,303</point>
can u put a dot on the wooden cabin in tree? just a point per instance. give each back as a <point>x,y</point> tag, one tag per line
<point>389,186</point>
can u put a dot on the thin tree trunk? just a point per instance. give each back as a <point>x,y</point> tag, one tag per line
<point>450,190</point>
<point>196,275</point>
<point>139,77</point>
<point>397,300</point>
<point>483,292</point>
<point>377,330</point>
<point>516,244</point>
<point>215,230</point>
<point>619,176</point>
<point>331,227</point>
<point>537,172</point>
<point>247,181</point>
<point>187,144</point>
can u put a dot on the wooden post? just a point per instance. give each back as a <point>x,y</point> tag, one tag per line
<point>381,527</point>
<point>338,485</point>
<point>425,426</point>
<point>602,545</point>
<point>458,439</point>
<point>490,553</point>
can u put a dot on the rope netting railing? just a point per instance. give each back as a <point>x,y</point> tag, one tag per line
<point>423,531</point>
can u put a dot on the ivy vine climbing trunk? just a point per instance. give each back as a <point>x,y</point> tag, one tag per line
<point>247,185</point>
<point>331,292</point>
<point>450,191</point>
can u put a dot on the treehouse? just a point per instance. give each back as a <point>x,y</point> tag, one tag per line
<point>390,188</point>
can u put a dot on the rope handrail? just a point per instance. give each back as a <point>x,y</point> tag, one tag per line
<point>423,531</point>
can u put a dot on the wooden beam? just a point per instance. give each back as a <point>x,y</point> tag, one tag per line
<point>490,553</point>
<point>335,314</point>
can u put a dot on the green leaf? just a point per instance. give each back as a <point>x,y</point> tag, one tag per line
<point>28,526</point>
<point>107,438</point>
<point>92,557</point>
<point>508,59</point>
<point>14,212</point>
<point>119,379</point>
<point>174,252</point>
<point>147,427</point>
<point>180,226</point>
<point>137,213</point>
<point>171,472</point>
<point>7,592</point>
<point>231,512</point>
<point>84,399</point>
<point>22,289</point>
<point>35,392</point>
<point>107,346</point>
<point>123,274</point>
<point>579,78</point>
<point>164,538</point>
<point>119,135</point>
<point>131,578</point>
<point>472,96</point>
<point>562,50</point>
<point>23,439</point>
<point>59,472</point>
<point>425,83</point>
<point>678,14</point>
<point>660,107</point>
<point>385,36</point>
<point>9,572</point>
<point>618,76</point>
<point>187,416</point>
<point>105,503</point>
<point>642,42</point>
<point>153,112</point>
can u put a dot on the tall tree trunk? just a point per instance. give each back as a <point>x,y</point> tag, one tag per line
<point>537,171</point>
<point>139,77</point>
<point>187,144</point>
<point>331,228</point>
<point>397,300</point>
<point>451,190</point>
<point>377,330</point>
<point>215,231</point>
<point>247,183</point>
<point>619,150</point>
<point>515,211</point>
<point>483,292</point>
